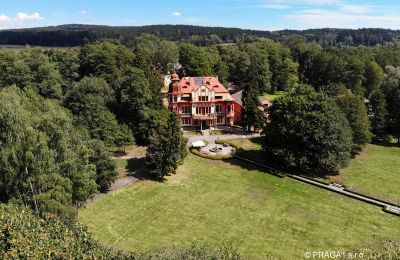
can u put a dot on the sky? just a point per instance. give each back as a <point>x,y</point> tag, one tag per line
<point>248,14</point>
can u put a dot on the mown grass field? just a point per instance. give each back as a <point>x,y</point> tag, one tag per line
<point>215,201</point>
<point>375,172</point>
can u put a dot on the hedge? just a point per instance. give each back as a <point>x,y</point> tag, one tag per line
<point>227,142</point>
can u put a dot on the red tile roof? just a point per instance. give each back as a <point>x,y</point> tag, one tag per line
<point>188,84</point>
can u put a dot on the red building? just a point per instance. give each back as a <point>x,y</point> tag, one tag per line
<point>201,102</point>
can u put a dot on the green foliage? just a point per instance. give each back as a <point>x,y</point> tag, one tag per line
<point>135,103</point>
<point>44,161</point>
<point>88,100</point>
<point>67,63</point>
<point>373,77</point>
<point>307,132</point>
<point>391,88</point>
<point>252,117</point>
<point>167,148</point>
<point>152,51</point>
<point>356,112</point>
<point>23,235</point>
<point>30,67</point>
<point>378,116</point>
<point>105,167</point>
<point>196,61</point>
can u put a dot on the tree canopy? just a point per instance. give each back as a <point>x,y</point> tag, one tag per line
<point>308,133</point>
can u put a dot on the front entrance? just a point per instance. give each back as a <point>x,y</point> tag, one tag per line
<point>203,125</point>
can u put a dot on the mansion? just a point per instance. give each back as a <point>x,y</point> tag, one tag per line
<point>201,102</point>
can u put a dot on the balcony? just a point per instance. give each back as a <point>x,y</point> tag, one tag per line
<point>204,117</point>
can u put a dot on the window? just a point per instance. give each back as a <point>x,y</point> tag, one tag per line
<point>203,98</point>
<point>220,120</point>
<point>218,108</point>
<point>186,121</point>
<point>186,110</point>
<point>218,97</point>
<point>187,98</point>
<point>203,110</point>
<point>175,99</point>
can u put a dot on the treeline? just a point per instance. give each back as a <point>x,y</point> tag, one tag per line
<point>75,35</point>
<point>63,111</point>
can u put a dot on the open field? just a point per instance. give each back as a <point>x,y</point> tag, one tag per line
<point>217,201</point>
<point>375,172</point>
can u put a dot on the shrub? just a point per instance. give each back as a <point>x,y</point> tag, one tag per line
<point>229,143</point>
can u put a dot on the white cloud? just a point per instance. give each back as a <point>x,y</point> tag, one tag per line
<point>176,13</point>
<point>19,20</point>
<point>318,18</point>
<point>83,12</point>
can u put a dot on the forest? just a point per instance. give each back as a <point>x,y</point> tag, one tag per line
<point>63,111</point>
<point>71,35</point>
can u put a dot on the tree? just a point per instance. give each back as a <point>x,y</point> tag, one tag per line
<point>136,103</point>
<point>167,147</point>
<point>378,116</point>
<point>307,132</point>
<point>357,115</point>
<point>391,87</point>
<point>44,159</point>
<point>67,63</point>
<point>105,167</point>
<point>88,99</point>
<point>196,61</point>
<point>30,67</point>
<point>258,76</point>
<point>151,51</point>
<point>253,117</point>
<point>373,77</point>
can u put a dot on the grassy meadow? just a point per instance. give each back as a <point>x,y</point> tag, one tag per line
<point>216,201</point>
<point>375,172</point>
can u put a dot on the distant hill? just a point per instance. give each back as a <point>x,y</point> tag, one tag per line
<point>75,35</point>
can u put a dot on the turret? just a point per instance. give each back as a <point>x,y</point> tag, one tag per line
<point>175,86</point>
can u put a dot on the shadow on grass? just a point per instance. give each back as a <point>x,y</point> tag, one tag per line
<point>259,156</point>
<point>136,167</point>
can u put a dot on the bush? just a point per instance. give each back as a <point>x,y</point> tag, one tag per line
<point>23,235</point>
<point>229,143</point>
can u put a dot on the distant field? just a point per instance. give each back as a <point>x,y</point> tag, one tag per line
<point>375,172</point>
<point>215,201</point>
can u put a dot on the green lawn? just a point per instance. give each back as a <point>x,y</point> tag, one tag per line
<point>375,172</point>
<point>215,201</point>
<point>273,96</point>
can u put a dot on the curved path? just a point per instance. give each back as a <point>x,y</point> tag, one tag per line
<point>213,138</point>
